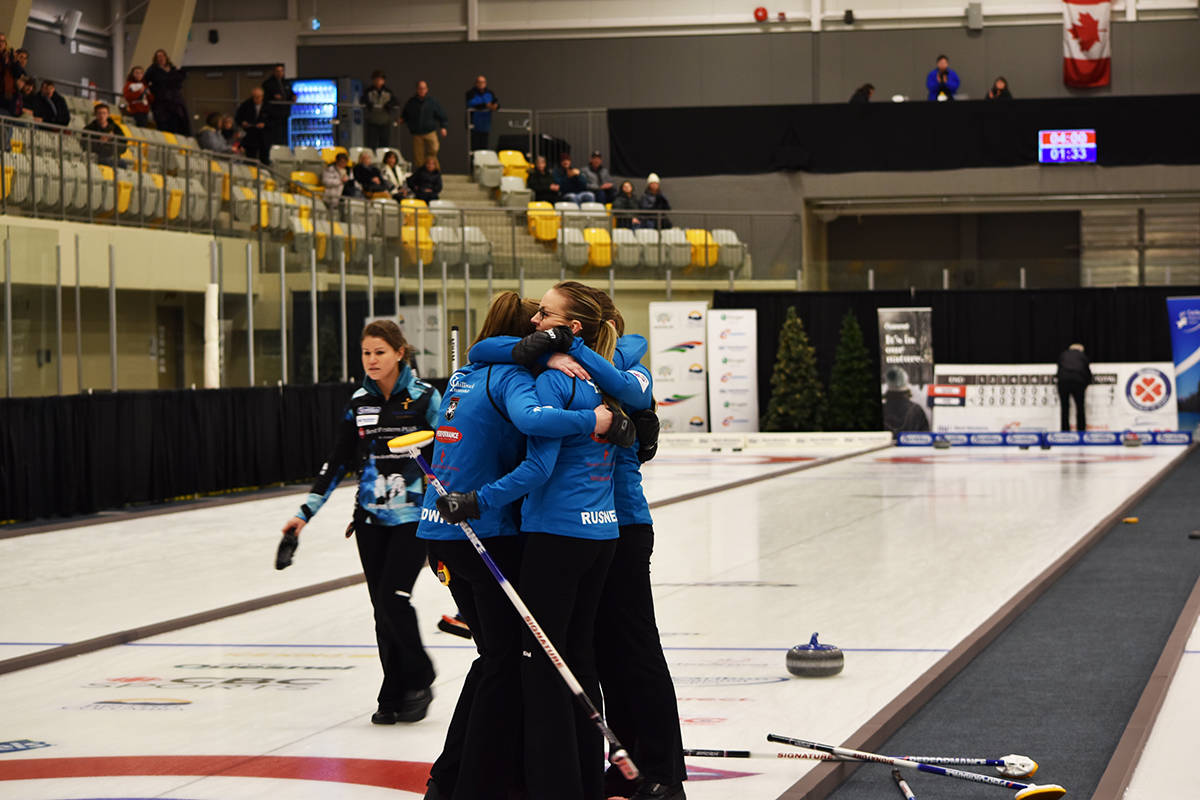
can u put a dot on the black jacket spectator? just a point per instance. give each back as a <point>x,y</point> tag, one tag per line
<point>166,87</point>
<point>539,182</point>
<point>862,94</point>
<point>51,110</point>
<point>109,148</point>
<point>250,115</point>
<point>379,102</point>
<point>370,178</point>
<point>426,184</point>
<point>624,207</point>
<point>999,90</point>
<point>279,94</point>
<point>424,115</point>
<point>569,184</point>
<point>654,201</point>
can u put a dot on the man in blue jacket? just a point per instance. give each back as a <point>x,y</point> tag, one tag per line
<point>942,82</point>
<point>481,102</point>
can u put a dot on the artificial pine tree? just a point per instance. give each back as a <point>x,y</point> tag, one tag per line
<point>853,390</point>
<point>797,399</point>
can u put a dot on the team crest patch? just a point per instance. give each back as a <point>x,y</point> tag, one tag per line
<point>450,409</point>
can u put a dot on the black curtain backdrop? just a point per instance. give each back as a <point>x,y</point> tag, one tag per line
<point>976,327</point>
<point>65,456</point>
<point>885,136</point>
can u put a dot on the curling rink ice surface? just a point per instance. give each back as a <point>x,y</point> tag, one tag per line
<point>276,702</point>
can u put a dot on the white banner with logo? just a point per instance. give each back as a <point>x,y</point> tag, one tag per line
<point>1024,397</point>
<point>733,370</point>
<point>677,359</point>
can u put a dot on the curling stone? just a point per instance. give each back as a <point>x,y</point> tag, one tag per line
<point>1194,534</point>
<point>815,660</point>
<point>941,444</point>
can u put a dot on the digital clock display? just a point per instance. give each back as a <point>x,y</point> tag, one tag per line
<point>1067,147</point>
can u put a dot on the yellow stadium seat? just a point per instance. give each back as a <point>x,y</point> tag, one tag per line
<point>411,207</point>
<point>412,238</point>
<point>174,197</point>
<point>543,221</point>
<point>328,154</point>
<point>514,163</point>
<point>704,248</point>
<point>599,247</point>
<point>124,191</point>
<point>322,243</point>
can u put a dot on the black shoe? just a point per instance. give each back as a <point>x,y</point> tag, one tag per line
<point>415,705</point>
<point>384,716</point>
<point>659,791</point>
<point>431,791</point>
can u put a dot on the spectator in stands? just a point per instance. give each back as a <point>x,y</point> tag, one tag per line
<point>279,94</point>
<point>1073,376</point>
<point>49,106</point>
<point>28,94</point>
<point>624,205</point>
<point>22,57</point>
<point>10,73</point>
<point>426,183</point>
<point>380,102</point>
<point>166,93</point>
<point>942,82</point>
<point>253,118</point>
<point>137,97</point>
<point>338,180</point>
<point>481,102</point>
<point>425,119</point>
<point>599,180</point>
<point>541,182</point>
<point>999,90</point>
<point>863,94</point>
<point>230,130</point>
<point>393,175</point>
<point>210,137</point>
<point>368,176</point>
<point>571,183</point>
<point>654,200</point>
<point>109,144</point>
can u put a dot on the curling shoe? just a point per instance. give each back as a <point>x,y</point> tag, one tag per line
<point>659,791</point>
<point>415,705</point>
<point>413,708</point>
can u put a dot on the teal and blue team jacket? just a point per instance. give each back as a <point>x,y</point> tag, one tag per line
<point>628,382</point>
<point>389,485</point>
<point>481,426</point>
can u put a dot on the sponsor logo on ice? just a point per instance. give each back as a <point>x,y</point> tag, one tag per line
<point>135,704</point>
<point>206,682</point>
<point>17,745</point>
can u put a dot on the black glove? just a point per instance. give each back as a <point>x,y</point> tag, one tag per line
<point>646,423</point>
<point>457,507</point>
<point>556,340</point>
<point>622,432</point>
<point>287,546</point>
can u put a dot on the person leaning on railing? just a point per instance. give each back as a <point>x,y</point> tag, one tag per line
<point>110,143</point>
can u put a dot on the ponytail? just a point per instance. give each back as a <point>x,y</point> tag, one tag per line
<point>508,315</point>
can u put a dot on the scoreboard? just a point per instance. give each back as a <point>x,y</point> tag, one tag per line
<point>1067,146</point>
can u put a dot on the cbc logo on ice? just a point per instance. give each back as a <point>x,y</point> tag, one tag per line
<point>1148,389</point>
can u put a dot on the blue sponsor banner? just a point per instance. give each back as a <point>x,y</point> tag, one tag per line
<point>1054,438</point>
<point>1184,315</point>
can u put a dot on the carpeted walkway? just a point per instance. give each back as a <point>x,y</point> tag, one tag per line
<point>1061,683</point>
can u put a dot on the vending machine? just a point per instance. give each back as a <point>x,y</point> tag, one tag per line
<point>326,113</point>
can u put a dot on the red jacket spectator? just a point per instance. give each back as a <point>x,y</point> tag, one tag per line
<point>137,96</point>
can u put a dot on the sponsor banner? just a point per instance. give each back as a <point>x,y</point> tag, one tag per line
<point>429,351</point>
<point>906,364</point>
<point>733,370</point>
<point>1184,314</point>
<point>1024,398</point>
<point>677,361</point>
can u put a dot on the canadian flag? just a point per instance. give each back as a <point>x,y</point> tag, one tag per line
<point>1087,43</point>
